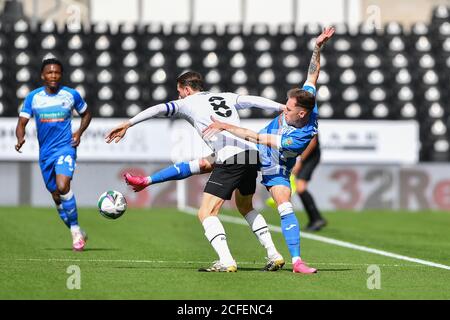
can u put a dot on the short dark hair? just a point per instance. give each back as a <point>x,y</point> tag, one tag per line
<point>48,61</point>
<point>192,79</point>
<point>305,99</point>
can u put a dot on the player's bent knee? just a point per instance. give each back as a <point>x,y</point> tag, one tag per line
<point>301,187</point>
<point>63,187</point>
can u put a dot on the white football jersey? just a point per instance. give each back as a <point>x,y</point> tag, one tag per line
<point>198,108</point>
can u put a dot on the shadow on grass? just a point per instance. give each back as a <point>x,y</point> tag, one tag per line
<point>333,270</point>
<point>87,249</point>
<point>196,267</point>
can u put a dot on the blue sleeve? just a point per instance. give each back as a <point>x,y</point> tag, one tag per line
<point>296,141</point>
<point>27,110</point>
<point>78,102</point>
<point>310,88</point>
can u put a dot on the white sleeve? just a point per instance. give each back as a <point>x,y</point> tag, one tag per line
<point>244,102</point>
<point>163,109</point>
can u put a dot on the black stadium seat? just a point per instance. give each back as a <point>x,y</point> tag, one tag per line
<point>386,73</point>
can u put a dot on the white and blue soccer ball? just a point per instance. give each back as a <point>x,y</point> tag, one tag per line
<point>112,204</point>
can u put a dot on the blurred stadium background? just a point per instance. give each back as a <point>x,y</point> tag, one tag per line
<point>383,95</point>
<point>384,105</point>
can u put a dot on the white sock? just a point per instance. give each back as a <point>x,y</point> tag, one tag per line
<point>75,228</point>
<point>259,227</point>
<point>194,166</point>
<point>285,208</point>
<point>215,233</point>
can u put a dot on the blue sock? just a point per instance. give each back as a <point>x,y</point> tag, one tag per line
<point>70,207</point>
<point>290,228</point>
<point>63,215</point>
<point>178,171</point>
<point>291,233</point>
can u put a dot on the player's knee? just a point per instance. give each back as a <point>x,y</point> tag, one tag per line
<point>301,186</point>
<point>62,187</point>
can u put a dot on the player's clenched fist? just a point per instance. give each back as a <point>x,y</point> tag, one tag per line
<point>19,145</point>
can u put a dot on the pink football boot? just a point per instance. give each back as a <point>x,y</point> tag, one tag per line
<point>79,240</point>
<point>301,267</point>
<point>138,183</point>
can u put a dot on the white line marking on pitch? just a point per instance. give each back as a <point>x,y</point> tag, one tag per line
<point>193,262</point>
<point>339,243</point>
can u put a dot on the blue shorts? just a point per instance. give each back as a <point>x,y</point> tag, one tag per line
<point>275,180</point>
<point>61,162</point>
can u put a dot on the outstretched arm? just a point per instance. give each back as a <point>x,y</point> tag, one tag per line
<point>163,109</point>
<point>314,64</point>
<point>244,102</point>
<point>247,134</point>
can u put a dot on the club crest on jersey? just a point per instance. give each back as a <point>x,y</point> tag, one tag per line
<point>287,142</point>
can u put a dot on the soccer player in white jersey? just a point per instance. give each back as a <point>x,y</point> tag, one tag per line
<point>51,106</point>
<point>236,162</point>
<point>279,144</point>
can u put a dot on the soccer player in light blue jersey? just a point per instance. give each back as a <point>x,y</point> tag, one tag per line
<point>51,105</point>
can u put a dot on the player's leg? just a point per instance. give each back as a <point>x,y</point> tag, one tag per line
<point>215,233</point>
<point>258,225</point>
<point>69,205</point>
<point>177,171</point>
<point>289,223</point>
<point>48,174</point>
<point>316,221</point>
<point>224,179</point>
<point>64,170</point>
<point>59,207</point>
<point>67,199</point>
<point>290,226</point>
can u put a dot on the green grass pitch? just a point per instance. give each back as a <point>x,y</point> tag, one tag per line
<point>155,254</point>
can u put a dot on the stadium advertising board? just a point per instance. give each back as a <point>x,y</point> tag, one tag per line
<point>162,140</point>
<point>335,187</point>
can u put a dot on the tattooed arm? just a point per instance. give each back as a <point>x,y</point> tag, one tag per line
<point>314,65</point>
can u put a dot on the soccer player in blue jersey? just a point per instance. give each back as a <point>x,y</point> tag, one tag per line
<point>52,105</point>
